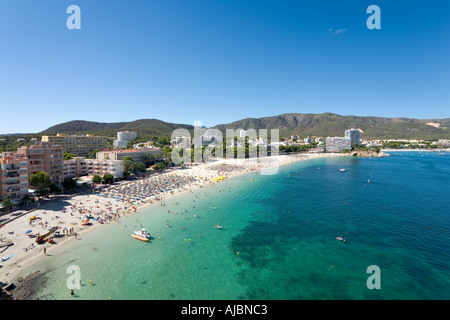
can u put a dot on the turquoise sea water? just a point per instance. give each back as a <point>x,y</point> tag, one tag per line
<point>393,212</point>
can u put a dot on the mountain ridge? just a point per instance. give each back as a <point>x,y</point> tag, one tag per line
<point>331,124</point>
<point>145,127</point>
<point>301,124</point>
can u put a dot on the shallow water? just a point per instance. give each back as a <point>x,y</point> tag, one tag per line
<point>393,213</point>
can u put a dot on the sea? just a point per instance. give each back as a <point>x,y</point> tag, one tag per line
<point>278,239</point>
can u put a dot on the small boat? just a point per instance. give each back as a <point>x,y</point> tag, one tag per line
<point>340,239</point>
<point>342,170</point>
<point>142,235</point>
<point>218,227</point>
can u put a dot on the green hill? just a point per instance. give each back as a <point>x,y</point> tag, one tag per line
<point>329,124</point>
<point>143,127</point>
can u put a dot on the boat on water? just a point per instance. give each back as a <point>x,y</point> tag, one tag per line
<point>342,170</point>
<point>142,235</point>
<point>218,227</point>
<point>340,238</point>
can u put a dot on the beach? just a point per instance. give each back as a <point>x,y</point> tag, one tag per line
<point>80,214</point>
<point>279,236</point>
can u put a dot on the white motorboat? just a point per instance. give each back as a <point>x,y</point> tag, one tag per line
<point>142,235</point>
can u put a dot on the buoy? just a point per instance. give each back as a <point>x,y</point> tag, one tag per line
<point>90,281</point>
<point>238,253</point>
<point>109,298</point>
<point>159,237</point>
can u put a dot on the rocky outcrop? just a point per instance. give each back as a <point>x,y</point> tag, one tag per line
<point>368,154</point>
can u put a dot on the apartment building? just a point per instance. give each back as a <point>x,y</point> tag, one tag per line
<point>43,156</point>
<point>338,144</point>
<point>13,176</point>
<point>353,134</point>
<point>123,137</point>
<point>138,155</point>
<point>78,145</point>
<point>80,166</point>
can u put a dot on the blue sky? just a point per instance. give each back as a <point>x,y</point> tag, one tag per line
<point>220,60</point>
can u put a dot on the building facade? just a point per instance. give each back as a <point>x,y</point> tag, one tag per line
<point>80,166</point>
<point>138,155</point>
<point>43,156</point>
<point>338,144</point>
<point>13,176</point>
<point>126,135</point>
<point>353,134</point>
<point>78,145</point>
<point>123,137</point>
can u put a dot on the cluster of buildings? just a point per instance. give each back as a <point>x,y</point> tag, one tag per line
<point>350,140</point>
<point>48,155</point>
<point>210,136</point>
<point>339,144</point>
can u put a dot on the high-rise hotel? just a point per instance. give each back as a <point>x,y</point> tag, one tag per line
<point>353,134</point>
<point>80,146</point>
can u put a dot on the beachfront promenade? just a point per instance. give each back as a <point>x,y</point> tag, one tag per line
<point>68,213</point>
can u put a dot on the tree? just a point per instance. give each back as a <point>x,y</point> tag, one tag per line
<point>129,164</point>
<point>7,203</point>
<point>26,198</point>
<point>68,155</point>
<point>54,188</point>
<point>149,159</point>
<point>140,167</point>
<point>108,178</point>
<point>125,174</point>
<point>162,141</point>
<point>96,179</point>
<point>167,153</point>
<point>92,155</point>
<point>159,166</point>
<point>69,184</point>
<point>40,180</point>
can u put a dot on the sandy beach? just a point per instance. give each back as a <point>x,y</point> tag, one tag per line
<point>80,214</point>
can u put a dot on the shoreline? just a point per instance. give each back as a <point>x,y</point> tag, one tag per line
<point>14,268</point>
<point>416,150</point>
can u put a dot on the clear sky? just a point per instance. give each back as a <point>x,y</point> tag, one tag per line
<point>219,61</point>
